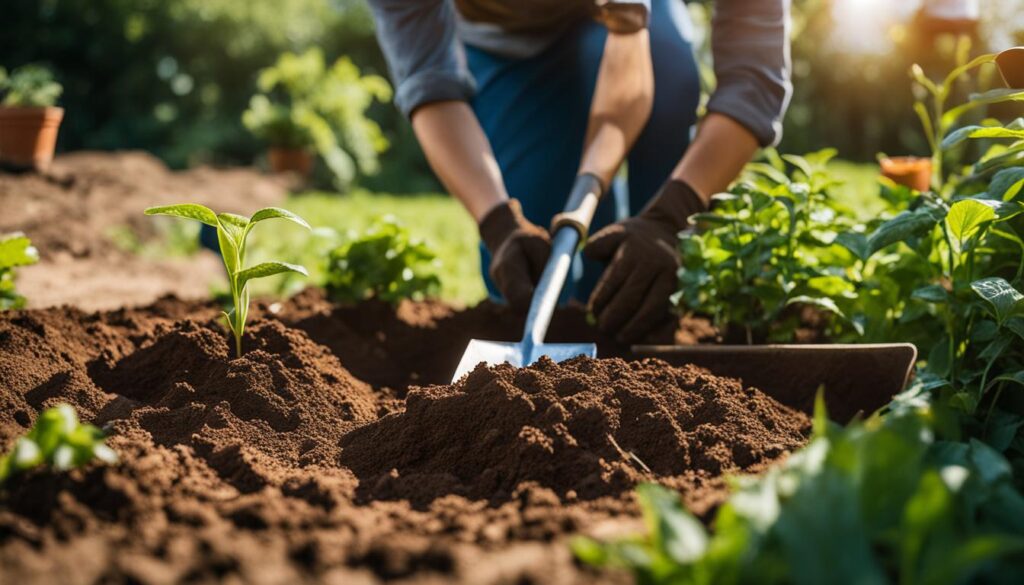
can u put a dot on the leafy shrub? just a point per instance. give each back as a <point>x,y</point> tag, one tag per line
<point>879,499</point>
<point>29,86</point>
<point>232,231</point>
<point>303,103</point>
<point>59,441</point>
<point>384,262</point>
<point>15,250</point>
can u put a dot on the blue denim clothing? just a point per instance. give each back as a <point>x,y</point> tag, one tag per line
<point>424,43</point>
<point>534,112</point>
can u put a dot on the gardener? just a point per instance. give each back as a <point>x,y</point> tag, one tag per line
<point>499,92</point>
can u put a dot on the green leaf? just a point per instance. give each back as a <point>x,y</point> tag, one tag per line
<point>994,96</point>
<point>1000,294</point>
<point>268,269</point>
<point>1006,184</point>
<point>674,530</point>
<point>187,211</point>
<point>856,243</point>
<point>1016,325</point>
<point>17,250</point>
<point>1014,378</point>
<point>904,226</point>
<point>820,302</point>
<point>1013,130</point>
<point>966,217</point>
<point>277,213</point>
<point>932,293</point>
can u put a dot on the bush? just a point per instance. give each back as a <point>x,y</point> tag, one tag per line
<point>385,263</point>
<point>303,103</point>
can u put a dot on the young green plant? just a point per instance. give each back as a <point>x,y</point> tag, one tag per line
<point>57,440</point>
<point>15,250</point>
<point>232,231</point>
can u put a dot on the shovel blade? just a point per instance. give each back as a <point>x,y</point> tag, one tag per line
<point>514,353</point>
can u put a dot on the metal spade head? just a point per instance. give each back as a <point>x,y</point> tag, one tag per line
<point>518,353</point>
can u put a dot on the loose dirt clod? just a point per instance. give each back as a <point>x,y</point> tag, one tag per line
<point>282,466</point>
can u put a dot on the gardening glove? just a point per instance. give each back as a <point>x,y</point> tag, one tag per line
<point>519,250</point>
<point>632,297</point>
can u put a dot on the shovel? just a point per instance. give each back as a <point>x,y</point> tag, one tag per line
<point>569,227</point>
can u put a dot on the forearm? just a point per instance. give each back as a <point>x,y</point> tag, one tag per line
<point>719,152</point>
<point>461,156</point>
<point>621,104</point>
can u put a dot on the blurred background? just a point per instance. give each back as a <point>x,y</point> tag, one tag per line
<point>173,76</point>
<point>215,82</point>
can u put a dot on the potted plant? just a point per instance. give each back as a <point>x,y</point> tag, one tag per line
<point>28,118</point>
<point>306,109</point>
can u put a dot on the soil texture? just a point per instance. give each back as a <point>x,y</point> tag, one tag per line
<point>335,450</point>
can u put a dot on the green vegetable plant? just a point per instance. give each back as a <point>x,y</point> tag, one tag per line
<point>881,501</point>
<point>29,86</point>
<point>304,103</point>
<point>15,250</point>
<point>232,232</point>
<point>768,248</point>
<point>57,440</point>
<point>384,262</point>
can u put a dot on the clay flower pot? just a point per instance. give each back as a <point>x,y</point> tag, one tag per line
<point>28,136</point>
<point>295,160</point>
<point>910,171</point>
<point>1011,67</point>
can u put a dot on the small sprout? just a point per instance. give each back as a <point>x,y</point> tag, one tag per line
<point>15,250</point>
<point>59,441</point>
<point>232,231</point>
<point>29,86</point>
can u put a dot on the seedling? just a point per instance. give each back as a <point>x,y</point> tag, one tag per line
<point>57,440</point>
<point>15,250</point>
<point>232,231</point>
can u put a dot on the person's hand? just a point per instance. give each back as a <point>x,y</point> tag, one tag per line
<point>632,297</point>
<point>519,249</point>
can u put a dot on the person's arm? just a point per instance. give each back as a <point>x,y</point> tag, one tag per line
<point>460,155</point>
<point>719,152</point>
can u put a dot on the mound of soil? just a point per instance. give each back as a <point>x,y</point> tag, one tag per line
<point>287,466</point>
<point>585,429</point>
<point>70,210</point>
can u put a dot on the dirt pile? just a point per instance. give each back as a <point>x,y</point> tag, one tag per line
<point>584,429</point>
<point>284,466</point>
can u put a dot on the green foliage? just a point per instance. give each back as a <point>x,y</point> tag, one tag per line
<point>879,501</point>
<point>779,242</point>
<point>15,250</point>
<point>59,441</point>
<point>384,262</point>
<point>303,103</point>
<point>29,86</point>
<point>232,232</point>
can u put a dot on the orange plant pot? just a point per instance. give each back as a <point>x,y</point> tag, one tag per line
<point>28,136</point>
<point>295,160</point>
<point>910,171</point>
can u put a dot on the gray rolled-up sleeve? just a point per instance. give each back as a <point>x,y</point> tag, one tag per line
<point>426,60</point>
<point>750,47</point>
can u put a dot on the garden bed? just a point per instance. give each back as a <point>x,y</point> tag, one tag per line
<point>334,449</point>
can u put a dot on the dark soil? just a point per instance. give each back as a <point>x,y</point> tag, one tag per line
<point>333,451</point>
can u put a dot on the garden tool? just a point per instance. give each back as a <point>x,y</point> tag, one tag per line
<point>569,228</point>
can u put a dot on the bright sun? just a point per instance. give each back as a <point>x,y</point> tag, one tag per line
<point>862,26</point>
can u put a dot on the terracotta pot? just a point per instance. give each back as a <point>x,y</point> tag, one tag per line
<point>295,160</point>
<point>910,171</point>
<point>28,136</point>
<point>1011,67</point>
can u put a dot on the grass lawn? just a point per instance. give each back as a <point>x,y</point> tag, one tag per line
<point>442,223</point>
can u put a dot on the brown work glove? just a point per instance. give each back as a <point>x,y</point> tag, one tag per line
<point>519,250</point>
<point>632,297</point>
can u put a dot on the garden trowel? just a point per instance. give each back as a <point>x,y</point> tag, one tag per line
<point>569,228</point>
